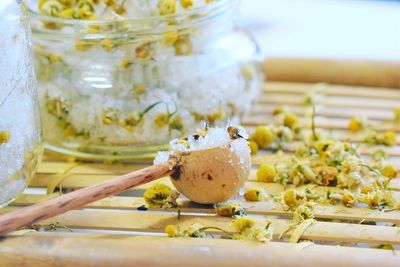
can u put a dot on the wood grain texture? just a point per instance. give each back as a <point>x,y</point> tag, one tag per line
<point>107,250</point>
<point>155,222</point>
<point>339,212</point>
<point>351,72</point>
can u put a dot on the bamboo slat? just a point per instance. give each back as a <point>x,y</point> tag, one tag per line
<point>100,250</point>
<point>362,72</point>
<point>156,222</point>
<point>338,212</point>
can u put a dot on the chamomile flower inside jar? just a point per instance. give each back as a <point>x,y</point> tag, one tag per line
<point>20,148</point>
<point>119,78</point>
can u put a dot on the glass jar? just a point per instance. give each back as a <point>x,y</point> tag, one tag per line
<point>116,86</point>
<point>20,147</point>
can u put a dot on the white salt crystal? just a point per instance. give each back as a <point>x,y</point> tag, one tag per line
<point>215,137</point>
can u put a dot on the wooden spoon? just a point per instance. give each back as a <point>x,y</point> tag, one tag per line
<point>206,176</point>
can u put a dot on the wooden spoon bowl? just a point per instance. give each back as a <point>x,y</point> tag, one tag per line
<point>211,175</point>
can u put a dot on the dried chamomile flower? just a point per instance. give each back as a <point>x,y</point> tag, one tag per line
<point>357,124</point>
<point>144,51</point>
<point>166,7</point>
<point>55,58</point>
<point>243,224</point>
<point>125,63</point>
<point>107,44</point>
<point>351,180</point>
<point>296,177</point>
<point>348,199</point>
<point>183,46</point>
<point>130,122</point>
<point>323,146</point>
<point>109,2</point>
<point>162,120</point>
<point>248,230</point>
<point>389,200</point>
<point>389,171</point>
<point>372,199</point>
<point>196,230</point>
<point>84,45</point>
<point>230,209</point>
<point>302,151</point>
<point>4,137</point>
<point>290,198</point>
<point>119,9</point>
<point>366,189</point>
<point>254,194</point>
<point>266,173</point>
<point>388,138</point>
<point>279,110</point>
<point>351,163</point>
<point>187,3</point>
<point>139,89</point>
<point>302,213</point>
<point>161,196</point>
<point>290,120</point>
<point>263,234</point>
<point>85,10</point>
<point>253,147</point>
<point>51,8</point>
<point>263,136</point>
<point>285,134</point>
<point>110,116</point>
<point>171,231</point>
<point>327,175</point>
<point>57,107</point>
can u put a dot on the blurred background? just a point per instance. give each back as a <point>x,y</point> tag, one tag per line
<point>325,28</point>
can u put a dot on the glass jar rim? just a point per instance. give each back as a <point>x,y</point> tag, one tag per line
<point>195,16</point>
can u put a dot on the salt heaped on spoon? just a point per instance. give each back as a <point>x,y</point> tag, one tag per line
<point>213,165</point>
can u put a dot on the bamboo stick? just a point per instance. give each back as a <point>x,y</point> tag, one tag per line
<point>330,90</point>
<point>351,72</point>
<point>79,250</point>
<point>338,212</point>
<point>156,222</point>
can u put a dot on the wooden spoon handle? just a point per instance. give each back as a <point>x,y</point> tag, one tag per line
<point>44,210</point>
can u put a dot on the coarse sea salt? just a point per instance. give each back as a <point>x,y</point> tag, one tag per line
<point>92,98</point>
<point>214,137</point>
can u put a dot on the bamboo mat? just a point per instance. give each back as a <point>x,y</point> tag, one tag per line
<point>113,232</point>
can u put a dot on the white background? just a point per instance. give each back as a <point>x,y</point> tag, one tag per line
<point>325,28</point>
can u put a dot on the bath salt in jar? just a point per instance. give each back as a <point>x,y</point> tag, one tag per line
<point>118,79</point>
<point>20,148</point>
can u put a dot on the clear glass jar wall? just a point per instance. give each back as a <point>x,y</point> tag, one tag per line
<point>20,147</point>
<point>118,81</point>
